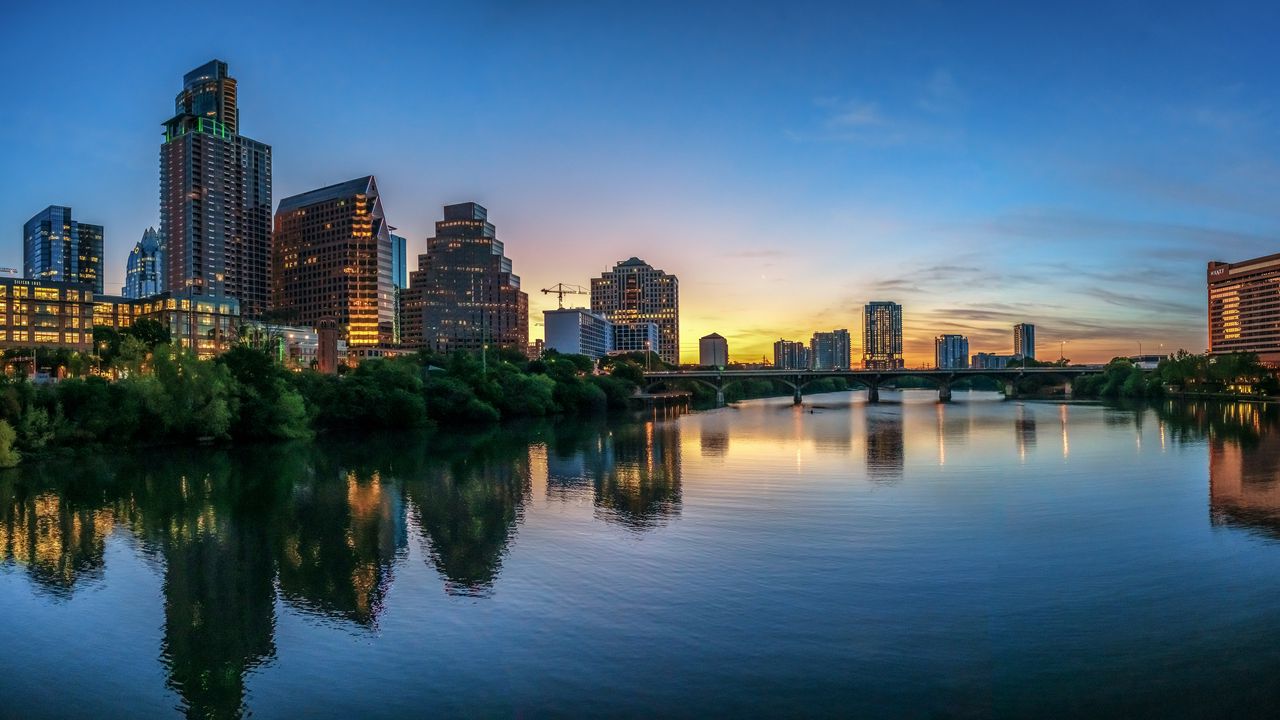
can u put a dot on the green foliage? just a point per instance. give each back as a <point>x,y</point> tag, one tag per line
<point>9,457</point>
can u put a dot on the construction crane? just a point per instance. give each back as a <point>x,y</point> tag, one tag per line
<point>10,272</point>
<point>560,290</point>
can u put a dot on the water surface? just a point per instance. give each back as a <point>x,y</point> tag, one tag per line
<point>909,559</point>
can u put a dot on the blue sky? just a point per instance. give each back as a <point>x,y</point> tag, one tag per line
<point>982,164</point>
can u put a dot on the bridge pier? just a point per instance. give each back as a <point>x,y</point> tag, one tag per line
<point>719,397</point>
<point>873,393</point>
<point>1010,390</point>
<point>795,396</point>
<point>944,392</point>
<point>1066,389</point>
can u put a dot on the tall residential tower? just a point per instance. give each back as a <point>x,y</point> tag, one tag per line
<point>56,248</point>
<point>1024,341</point>
<point>215,196</point>
<point>635,292</point>
<point>882,336</point>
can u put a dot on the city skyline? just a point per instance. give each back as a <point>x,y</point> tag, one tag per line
<point>1044,230</point>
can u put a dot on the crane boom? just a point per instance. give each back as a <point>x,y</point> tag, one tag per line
<point>561,289</point>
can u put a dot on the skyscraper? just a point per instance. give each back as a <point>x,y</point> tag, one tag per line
<point>332,258</point>
<point>830,350</point>
<point>215,196</point>
<point>56,248</point>
<point>634,291</point>
<point>1024,340</point>
<point>144,273</point>
<point>790,355</point>
<point>464,295</point>
<point>399,280</point>
<point>882,336</point>
<point>1244,307</point>
<point>951,352</point>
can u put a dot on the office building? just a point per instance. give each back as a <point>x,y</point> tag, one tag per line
<point>56,248</point>
<point>1024,340</point>
<point>951,352</point>
<point>36,313</point>
<point>296,347</point>
<point>641,337</point>
<point>713,351</point>
<point>577,331</point>
<point>332,258</point>
<point>206,326</point>
<point>215,197</point>
<point>882,336</point>
<point>1244,307</point>
<point>831,350</point>
<point>634,291</point>
<point>144,272</point>
<point>464,295</point>
<point>399,280</point>
<point>992,361</point>
<point>790,355</point>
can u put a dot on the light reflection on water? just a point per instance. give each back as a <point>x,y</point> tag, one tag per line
<point>909,558</point>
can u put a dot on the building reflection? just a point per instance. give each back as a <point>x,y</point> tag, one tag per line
<point>58,542</point>
<point>1244,466</point>
<point>1024,428</point>
<point>641,489</point>
<point>885,446</point>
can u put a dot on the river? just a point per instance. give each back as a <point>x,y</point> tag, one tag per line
<point>982,558</point>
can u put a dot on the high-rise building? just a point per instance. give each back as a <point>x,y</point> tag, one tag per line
<point>830,350</point>
<point>992,361</point>
<point>144,273</point>
<point>713,350</point>
<point>399,279</point>
<point>1244,307</point>
<point>577,331</point>
<point>951,352</point>
<point>882,336</point>
<point>1024,340</point>
<point>56,248</point>
<point>641,337</point>
<point>634,291</point>
<point>464,295</point>
<point>790,355</point>
<point>332,258</point>
<point>215,197</point>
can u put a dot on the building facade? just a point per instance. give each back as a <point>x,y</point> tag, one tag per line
<point>206,326</point>
<point>56,248</point>
<point>577,331</point>
<point>790,355</point>
<point>634,291</point>
<point>399,279</point>
<point>215,197</point>
<point>1244,307</point>
<point>641,337</point>
<point>831,350</point>
<point>144,272</point>
<point>332,258</point>
<point>951,352</point>
<point>713,351</point>
<point>882,336</point>
<point>35,313</point>
<point>992,361</point>
<point>464,294</point>
<point>1024,340</point>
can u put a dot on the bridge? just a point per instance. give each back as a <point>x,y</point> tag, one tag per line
<point>872,380</point>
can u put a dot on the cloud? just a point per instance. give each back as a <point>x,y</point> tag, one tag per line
<point>941,94</point>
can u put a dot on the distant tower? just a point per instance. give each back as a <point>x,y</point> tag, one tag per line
<point>1024,341</point>
<point>713,350</point>
<point>882,336</point>
<point>58,249</point>
<point>215,196</point>
<point>830,350</point>
<point>464,295</point>
<point>636,292</point>
<point>951,352</point>
<point>144,273</point>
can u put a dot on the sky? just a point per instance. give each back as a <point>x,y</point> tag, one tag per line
<point>981,164</point>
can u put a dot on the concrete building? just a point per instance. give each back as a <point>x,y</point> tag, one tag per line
<point>1024,340</point>
<point>56,248</point>
<point>296,347</point>
<point>713,351</point>
<point>882,336</point>
<point>207,326</point>
<point>1244,307</point>
<point>951,352</point>
<point>332,258</point>
<point>144,271</point>
<point>215,197</point>
<point>35,313</point>
<point>992,361</point>
<point>831,350</point>
<point>790,355</point>
<point>634,291</point>
<point>636,337</point>
<point>464,294</point>
<point>577,331</point>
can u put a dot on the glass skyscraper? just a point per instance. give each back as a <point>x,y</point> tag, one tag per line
<point>951,352</point>
<point>830,350</point>
<point>56,248</point>
<point>144,273</point>
<point>636,292</point>
<point>215,196</point>
<point>464,295</point>
<point>1024,340</point>
<point>882,336</point>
